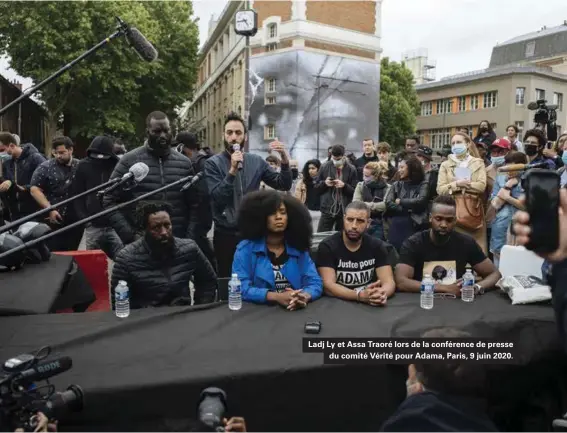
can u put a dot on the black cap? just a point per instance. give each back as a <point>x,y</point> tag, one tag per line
<point>425,151</point>
<point>188,139</point>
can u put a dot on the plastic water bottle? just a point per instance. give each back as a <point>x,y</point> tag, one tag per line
<point>234,293</point>
<point>467,292</point>
<point>427,292</point>
<point>122,299</point>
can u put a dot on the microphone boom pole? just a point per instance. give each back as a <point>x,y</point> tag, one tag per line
<point>93,217</point>
<point>25,219</point>
<point>121,30</point>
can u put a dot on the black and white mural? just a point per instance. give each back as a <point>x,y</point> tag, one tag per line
<point>348,103</point>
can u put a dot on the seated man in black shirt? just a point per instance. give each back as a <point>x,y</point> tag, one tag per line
<point>159,266</point>
<point>444,254</point>
<point>354,266</point>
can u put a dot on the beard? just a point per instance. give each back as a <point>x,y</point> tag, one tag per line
<point>158,248</point>
<point>159,145</point>
<point>441,237</point>
<point>354,237</point>
<point>229,146</point>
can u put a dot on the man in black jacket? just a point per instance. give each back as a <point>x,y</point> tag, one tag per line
<point>189,146</point>
<point>17,172</point>
<point>95,170</point>
<point>159,266</point>
<point>368,155</point>
<point>166,166</point>
<point>228,184</point>
<point>335,183</point>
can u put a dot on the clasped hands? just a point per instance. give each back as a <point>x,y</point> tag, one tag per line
<point>293,299</point>
<point>374,295</point>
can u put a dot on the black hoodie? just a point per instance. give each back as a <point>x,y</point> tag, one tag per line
<point>20,172</point>
<point>432,412</point>
<point>92,171</point>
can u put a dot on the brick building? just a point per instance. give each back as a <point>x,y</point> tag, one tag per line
<point>314,75</point>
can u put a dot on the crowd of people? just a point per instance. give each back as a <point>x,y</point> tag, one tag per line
<point>387,220</point>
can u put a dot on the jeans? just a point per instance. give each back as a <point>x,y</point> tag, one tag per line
<point>103,238</point>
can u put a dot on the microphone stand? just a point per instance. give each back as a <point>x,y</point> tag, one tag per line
<point>93,217</point>
<point>25,219</point>
<point>122,28</point>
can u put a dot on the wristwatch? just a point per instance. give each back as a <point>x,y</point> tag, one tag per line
<point>358,291</point>
<point>478,289</point>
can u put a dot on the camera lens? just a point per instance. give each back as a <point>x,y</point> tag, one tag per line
<point>71,400</point>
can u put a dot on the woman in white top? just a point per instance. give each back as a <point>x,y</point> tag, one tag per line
<point>464,172</point>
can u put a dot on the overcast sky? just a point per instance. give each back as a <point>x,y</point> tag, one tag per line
<point>459,34</point>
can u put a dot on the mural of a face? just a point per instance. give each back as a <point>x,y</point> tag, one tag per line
<point>348,112</point>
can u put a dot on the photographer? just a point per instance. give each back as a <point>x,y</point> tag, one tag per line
<point>534,145</point>
<point>557,277</point>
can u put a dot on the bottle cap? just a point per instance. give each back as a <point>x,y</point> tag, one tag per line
<point>122,282</point>
<point>234,275</point>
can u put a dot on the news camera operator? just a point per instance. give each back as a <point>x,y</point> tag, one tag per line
<point>557,272</point>
<point>165,167</point>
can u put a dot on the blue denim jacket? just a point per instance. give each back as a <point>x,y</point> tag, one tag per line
<point>254,268</point>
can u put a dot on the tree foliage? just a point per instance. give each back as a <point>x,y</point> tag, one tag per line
<point>399,105</point>
<point>113,90</point>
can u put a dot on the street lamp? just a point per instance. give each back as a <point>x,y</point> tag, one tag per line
<point>319,87</point>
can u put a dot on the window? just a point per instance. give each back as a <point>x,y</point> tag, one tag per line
<point>520,95</point>
<point>272,31</point>
<point>539,94</point>
<point>440,138</point>
<point>462,103</point>
<point>270,100</point>
<point>269,132</point>
<point>270,85</point>
<point>474,102</point>
<point>530,49</point>
<point>558,100</point>
<point>520,126</point>
<point>443,106</point>
<point>271,47</point>
<point>426,108</point>
<point>490,100</point>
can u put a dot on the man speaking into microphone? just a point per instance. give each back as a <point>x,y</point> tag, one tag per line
<point>232,174</point>
<point>165,166</point>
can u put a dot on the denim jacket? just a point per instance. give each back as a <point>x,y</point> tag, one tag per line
<point>254,268</point>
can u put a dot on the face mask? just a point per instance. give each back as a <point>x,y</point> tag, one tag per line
<point>339,163</point>
<point>531,150</point>
<point>483,129</point>
<point>294,173</point>
<point>367,179</point>
<point>564,157</point>
<point>459,148</point>
<point>498,161</point>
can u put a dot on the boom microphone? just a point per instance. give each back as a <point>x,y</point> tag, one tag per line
<point>137,172</point>
<point>192,182</point>
<point>236,148</point>
<point>44,370</point>
<point>522,167</point>
<point>142,46</point>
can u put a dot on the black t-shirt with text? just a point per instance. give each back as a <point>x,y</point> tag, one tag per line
<point>353,269</point>
<point>445,263</point>
<point>281,282</point>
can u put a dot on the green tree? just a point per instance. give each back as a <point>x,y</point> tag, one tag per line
<point>399,105</point>
<point>112,90</point>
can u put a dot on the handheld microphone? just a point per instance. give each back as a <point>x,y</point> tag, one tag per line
<point>236,148</point>
<point>521,167</point>
<point>137,172</point>
<point>142,46</point>
<point>192,182</point>
<point>44,370</point>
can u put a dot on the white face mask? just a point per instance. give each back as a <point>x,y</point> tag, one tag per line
<point>458,148</point>
<point>338,163</point>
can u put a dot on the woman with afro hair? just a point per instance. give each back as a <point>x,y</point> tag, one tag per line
<point>272,261</point>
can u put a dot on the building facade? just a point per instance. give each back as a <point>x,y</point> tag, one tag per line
<point>314,75</point>
<point>500,96</point>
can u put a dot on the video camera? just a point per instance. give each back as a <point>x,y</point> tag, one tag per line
<point>545,117</point>
<point>21,398</point>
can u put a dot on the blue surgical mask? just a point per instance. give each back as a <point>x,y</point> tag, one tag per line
<point>564,157</point>
<point>459,148</point>
<point>498,161</point>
